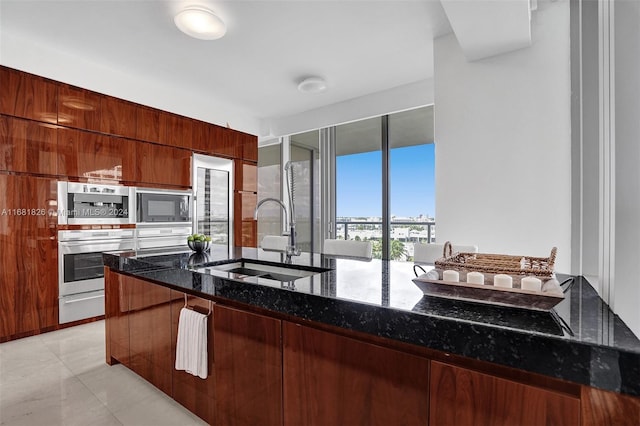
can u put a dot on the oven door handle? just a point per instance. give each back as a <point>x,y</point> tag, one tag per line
<point>67,302</point>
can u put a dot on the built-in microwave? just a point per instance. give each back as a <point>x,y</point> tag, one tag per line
<point>162,206</point>
<point>92,204</point>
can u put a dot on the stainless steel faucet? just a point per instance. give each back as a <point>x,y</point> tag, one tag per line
<point>291,249</point>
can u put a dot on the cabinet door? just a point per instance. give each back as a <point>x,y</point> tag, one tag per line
<point>117,117</point>
<point>196,394</point>
<point>27,146</point>
<point>601,407</point>
<point>28,96</point>
<point>249,147</point>
<point>248,373</point>
<point>150,332</point>
<point>28,265</point>
<point>147,124</point>
<point>222,142</point>
<point>334,380</point>
<point>175,130</point>
<point>464,397</point>
<point>245,227</point>
<point>246,176</point>
<point>163,165</point>
<point>117,294</point>
<point>95,156</point>
<point>79,108</point>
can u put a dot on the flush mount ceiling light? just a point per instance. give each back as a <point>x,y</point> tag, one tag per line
<point>200,23</point>
<point>312,85</point>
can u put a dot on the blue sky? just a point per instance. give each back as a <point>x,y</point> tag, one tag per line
<point>359,187</point>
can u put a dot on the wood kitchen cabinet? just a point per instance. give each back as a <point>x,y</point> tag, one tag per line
<point>601,407</point>
<point>164,165</point>
<point>245,229</point>
<point>175,130</point>
<point>150,333</point>
<point>28,265</point>
<point>117,117</point>
<point>28,146</point>
<point>331,379</point>
<point>117,293</point>
<point>147,124</point>
<point>196,394</point>
<point>246,178</point>
<point>28,96</point>
<point>79,108</point>
<point>248,368</point>
<point>96,156</point>
<point>459,397</point>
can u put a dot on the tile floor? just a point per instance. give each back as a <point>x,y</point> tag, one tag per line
<point>61,378</point>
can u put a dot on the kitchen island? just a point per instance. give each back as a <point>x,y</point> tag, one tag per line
<point>339,346</point>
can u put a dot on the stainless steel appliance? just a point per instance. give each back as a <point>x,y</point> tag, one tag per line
<point>84,203</point>
<point>165,235</point>
<point>81,270</point>
<point>158,206</point>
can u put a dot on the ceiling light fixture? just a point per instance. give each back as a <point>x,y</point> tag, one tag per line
<point>200,23</point>
<point>312,85</point>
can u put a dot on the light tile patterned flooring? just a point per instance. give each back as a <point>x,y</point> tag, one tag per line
<point>61,378</point>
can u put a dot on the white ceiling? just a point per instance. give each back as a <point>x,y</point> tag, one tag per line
<point>360,47</point>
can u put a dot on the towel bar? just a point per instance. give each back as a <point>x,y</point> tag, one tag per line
<point>191,307</point>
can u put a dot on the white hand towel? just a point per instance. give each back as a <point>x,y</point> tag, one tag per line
<point>191,347</point>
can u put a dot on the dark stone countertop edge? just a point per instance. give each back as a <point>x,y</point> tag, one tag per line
<point>584,363</point>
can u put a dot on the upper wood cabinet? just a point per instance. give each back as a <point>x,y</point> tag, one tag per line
<point>147,124</point>
<point>28,146</point>
<point>175,130</point>
<point>79,108</point>
<point>223,142</point>
<point>96,156</point>
<point>246,176</point>
<point>249,147</point>
<point>118,117</point>
<point>28,265</point>
<point>248,368</point>
<point>459,396</point>
<point>164,165</point>
<point>28,96</point>
<point>335,380</point>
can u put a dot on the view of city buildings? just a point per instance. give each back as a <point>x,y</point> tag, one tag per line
<point>404,232</point>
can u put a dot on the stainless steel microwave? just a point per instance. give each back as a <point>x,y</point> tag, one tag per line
<point>162,206</point>
<point>93,204</point>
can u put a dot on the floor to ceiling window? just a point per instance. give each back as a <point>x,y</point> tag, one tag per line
<point>383,183</point>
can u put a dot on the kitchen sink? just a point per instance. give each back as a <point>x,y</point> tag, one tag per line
<point>245,268</point>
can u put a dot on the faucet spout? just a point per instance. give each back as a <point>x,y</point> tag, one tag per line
<point>291,250</point>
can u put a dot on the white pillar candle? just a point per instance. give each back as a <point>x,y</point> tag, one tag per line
<point>475,278</point>
<point>503,280</point>
<point>450,275</point>
<point>531,283</point>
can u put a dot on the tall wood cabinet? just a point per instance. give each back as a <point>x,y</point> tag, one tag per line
<point>28,265</point>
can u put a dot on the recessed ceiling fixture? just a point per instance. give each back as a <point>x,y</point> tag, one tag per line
<point>312,85</point>
<point>201,23</point>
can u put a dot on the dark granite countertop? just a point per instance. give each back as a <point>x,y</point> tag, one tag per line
<point>580,340</point>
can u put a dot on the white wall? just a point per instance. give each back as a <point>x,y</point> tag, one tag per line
<point>503,143</point>
<point>26,55</point>
<point>627,160</point>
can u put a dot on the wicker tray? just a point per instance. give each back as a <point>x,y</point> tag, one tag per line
<point>489,265</point>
